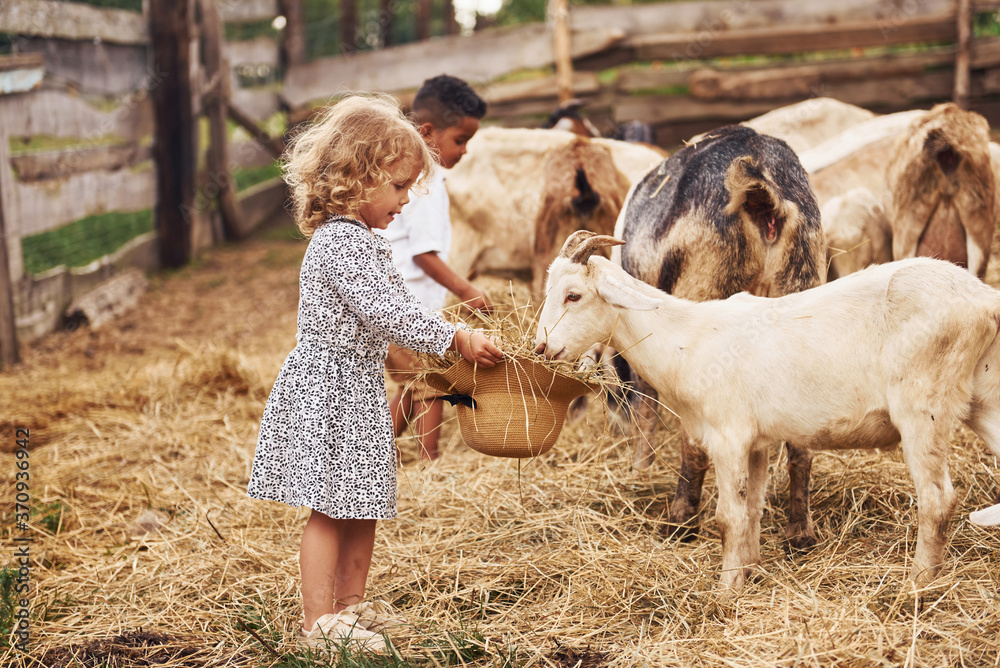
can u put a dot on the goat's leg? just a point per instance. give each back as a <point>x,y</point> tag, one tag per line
<point>683,523</point>
<point>925,451</point>
<point>799,532</point>
<point>646,417</point>
<point>742,477</point>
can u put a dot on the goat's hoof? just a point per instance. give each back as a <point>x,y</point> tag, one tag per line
<point>682,533</point>
<point>800,543</point>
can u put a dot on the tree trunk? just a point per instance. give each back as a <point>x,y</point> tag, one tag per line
<point>174,147</point>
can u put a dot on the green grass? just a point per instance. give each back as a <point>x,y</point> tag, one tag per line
<point>251,176</point>
<point>19,145</point>
<point>8,601</point>
<point>84,240</point>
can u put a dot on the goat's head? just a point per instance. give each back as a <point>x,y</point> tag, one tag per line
<point>582,296</point>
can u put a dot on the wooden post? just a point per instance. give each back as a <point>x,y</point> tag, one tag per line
<point>964,18</point>
<point>273,144</point>
<point>348,25</point>
<point>216,109</point>
<point>8,326</point>
<point>559,16</point>
<point>386,18</point>
<point>293,37</point>
<point>423,19</point>
<point>174,137</point>
<point>450,23</point>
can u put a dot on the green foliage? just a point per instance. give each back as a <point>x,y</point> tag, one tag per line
<point>8,601</point>
<point>238,32</point>
<point>49,517</point>
<point>986,25</point>
<point>84,240</point>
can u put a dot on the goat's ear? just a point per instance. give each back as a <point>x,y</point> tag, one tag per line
<point>618,293</point>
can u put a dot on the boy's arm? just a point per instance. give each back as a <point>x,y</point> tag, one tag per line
<point>432,265</point>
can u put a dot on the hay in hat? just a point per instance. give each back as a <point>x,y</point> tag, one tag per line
<point>516,408</point>
<point>542,562</point>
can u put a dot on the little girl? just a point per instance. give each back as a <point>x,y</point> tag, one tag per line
<point>326,437</point>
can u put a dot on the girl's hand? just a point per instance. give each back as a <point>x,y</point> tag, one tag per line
<point>476,348</point>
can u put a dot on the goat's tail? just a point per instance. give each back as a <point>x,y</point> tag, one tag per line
<point>985,419</point>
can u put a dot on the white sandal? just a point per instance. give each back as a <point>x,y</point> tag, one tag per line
<point>375,616</point>
<point>341,628</point>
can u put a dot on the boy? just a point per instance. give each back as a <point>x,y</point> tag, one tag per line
<point>447,112</point>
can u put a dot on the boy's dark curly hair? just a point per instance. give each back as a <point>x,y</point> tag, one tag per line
<point>444,100</point>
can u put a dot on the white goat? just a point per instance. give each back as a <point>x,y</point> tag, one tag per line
<point>897,352</point>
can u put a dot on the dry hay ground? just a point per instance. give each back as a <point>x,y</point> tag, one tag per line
<point>148,552</point>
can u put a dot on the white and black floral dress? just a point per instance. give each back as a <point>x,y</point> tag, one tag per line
<point>326,438</point>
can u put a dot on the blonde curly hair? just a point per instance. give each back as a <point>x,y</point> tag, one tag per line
<point>334,166</point>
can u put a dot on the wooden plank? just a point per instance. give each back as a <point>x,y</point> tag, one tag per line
<point>248,11</point>
<point>109,300</point>
<point>21,61</point>
<point>171,26</point>
<point>703,21</point>
<point>264,201</point>
<point>92,67</point>
<point>45,205</point>
<point>786,40</point>
<point>477,59</point>
<point>655,109</point>
<point>72,20</point>
<point>58,164</point>
<point>9,355</point>
<point>631,80</point>
<point>806,79</point>
<point>584,83</point>
<point>59,114</point>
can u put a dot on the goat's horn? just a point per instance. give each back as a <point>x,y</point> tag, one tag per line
<point>573,241</point>
<point>584,250</point>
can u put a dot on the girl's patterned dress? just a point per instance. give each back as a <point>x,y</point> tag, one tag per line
<point>326,438</point>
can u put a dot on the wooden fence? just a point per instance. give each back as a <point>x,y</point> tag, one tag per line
<point>684,87</point>
<point>92,106</point>
<point>76,125</point>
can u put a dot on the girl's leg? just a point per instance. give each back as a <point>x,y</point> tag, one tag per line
<point>318,556</point>
<point>401,408</point>
<point>334,560</point>
<point>428,427</point>
<point>357,541</point>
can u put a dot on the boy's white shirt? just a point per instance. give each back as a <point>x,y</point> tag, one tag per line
<point>423,226</point>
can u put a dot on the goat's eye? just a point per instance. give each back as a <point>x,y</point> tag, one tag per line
<point>572,297</point>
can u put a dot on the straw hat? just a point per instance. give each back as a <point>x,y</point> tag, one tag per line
<point>514,409</point>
